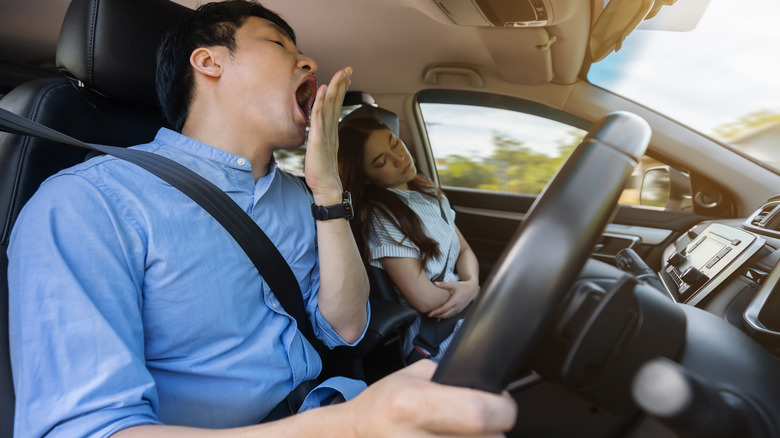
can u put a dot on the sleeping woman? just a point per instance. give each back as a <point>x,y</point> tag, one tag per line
<point>404,224</point>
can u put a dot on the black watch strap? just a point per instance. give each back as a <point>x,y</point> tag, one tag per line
<point>325,212</point>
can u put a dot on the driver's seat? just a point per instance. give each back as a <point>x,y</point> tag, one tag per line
<point>107,50</point>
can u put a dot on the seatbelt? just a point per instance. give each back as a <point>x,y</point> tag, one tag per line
<point>433,331</point>
<point>263,253</point>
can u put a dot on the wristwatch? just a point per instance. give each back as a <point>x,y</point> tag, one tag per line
<point>325,212</point>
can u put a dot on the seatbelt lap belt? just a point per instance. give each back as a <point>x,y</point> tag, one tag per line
<point>258,247</point>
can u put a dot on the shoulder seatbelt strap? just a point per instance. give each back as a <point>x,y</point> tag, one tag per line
<point>265,256</point>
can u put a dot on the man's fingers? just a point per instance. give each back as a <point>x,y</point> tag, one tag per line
<point>422,368</point>
<point>410,405</point>
<point>470,412</point>
<point>454,410</point>
<point>329,97</point>
<point>335,94</point>
<point>316,109</point>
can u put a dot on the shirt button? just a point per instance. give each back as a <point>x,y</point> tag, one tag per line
<point>275,305</point>
<point>241,161</point>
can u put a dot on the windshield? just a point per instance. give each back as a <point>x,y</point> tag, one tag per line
<point>721,78</point>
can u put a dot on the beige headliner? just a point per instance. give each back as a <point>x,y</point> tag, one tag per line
<point>389,43</point>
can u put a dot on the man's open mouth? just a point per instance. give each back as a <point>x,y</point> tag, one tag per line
<point>304,95</point>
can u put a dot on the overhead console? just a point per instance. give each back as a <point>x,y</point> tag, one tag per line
<point>697,264</point>
<point>498,13</point>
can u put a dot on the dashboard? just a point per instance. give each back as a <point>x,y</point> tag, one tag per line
<point>731,268</point>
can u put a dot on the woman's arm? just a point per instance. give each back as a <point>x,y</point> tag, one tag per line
<point>464,291</point>
<point>467,266</point>
<point>409,277</point>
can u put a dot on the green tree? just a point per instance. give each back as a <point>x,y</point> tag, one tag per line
<point>511,167</point>
<point>746,122</point>
<point>520,168</point>
<point>462,171</point>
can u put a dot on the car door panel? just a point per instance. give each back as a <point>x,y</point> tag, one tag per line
<point>488,220</point>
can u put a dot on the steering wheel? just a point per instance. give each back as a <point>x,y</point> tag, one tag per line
<point>518,303</point>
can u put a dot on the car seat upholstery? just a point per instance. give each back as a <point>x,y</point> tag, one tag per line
<point>106,51</point>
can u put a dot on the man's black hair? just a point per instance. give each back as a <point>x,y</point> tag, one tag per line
<point>213,24</point>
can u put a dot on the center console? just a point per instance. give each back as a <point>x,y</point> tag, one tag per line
<point>696,264</point>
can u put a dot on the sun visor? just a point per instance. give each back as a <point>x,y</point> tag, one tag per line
<point>621,17</point>
<point>527,60</point>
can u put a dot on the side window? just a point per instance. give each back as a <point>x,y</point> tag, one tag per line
<point>504,150</point>
<point>496,149</point>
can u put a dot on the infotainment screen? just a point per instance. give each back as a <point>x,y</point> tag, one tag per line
<point>704,250</point>
<point>693,270</point>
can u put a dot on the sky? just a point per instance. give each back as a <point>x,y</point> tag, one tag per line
<point>727,67</point>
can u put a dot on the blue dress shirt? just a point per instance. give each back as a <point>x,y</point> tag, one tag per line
<point>129,304</point>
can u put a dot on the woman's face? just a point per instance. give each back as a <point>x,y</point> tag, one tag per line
<point>387,162</point>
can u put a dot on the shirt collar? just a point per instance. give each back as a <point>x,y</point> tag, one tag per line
<point>176,140</point>
<point>408,195</point>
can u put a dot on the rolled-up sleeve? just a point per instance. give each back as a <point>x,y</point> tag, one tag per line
<point>386,240</point>
<point>322,328</point>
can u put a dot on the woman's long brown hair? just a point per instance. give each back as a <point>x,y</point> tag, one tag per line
<point>370,201</point>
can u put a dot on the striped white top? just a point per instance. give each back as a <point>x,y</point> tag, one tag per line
<point>386,240</point>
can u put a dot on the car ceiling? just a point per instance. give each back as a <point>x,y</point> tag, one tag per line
<point>394,46</point>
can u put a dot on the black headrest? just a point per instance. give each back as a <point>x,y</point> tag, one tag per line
<point>357,98</point>
<point>389,118</point>
<point>110,45</point>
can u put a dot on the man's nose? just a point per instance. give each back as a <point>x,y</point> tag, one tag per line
<point>307,63</point>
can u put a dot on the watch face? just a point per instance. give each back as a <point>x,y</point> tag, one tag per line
<point>347,202</point>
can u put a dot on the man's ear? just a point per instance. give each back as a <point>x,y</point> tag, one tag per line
<point>206,61</point>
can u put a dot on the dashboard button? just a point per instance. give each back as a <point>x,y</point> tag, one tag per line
<point>694,277</point>
<point>676,259</point>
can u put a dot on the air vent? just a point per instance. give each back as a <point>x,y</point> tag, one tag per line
<point>766,219</point>
<point>763,213</point>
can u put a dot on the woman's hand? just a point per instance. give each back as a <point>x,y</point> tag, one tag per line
<point>462,293</point>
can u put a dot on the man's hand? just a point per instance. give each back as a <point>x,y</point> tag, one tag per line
<point>343,294</point>
<point>461,294</point>
<point>408,404</point>
<point>321,165</point>
<point>403,404</point>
